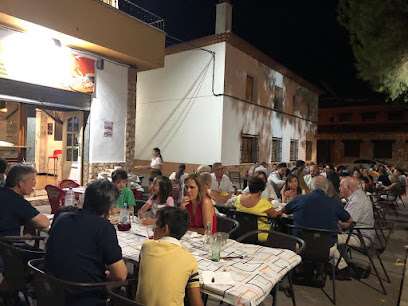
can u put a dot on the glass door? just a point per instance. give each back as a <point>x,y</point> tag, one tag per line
<point>72,140</point>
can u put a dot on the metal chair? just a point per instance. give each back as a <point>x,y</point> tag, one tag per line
<point>68,183</point>
<point>15,255</point>
<point>56,197</point>
<point>383,232</point>
<point>51,290</point>
<point>235,176</point>
<point>281,241</point>
<point>227,225</point>
<point>116,299</point>
<point>248,222</point>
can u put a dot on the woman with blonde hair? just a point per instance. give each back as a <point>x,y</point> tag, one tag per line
<point>198,204</point>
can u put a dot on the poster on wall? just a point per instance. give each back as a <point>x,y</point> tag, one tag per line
<point>108,129</point>
<point>38,60</point>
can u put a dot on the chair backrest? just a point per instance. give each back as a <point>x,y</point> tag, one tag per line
<point>247,223</point>
<point>51,290</point>
<point>56,197</point>
<point>118,300</point>
<point>227,225</point>
<point>68,183</point>
<point>15,255</point>
<point>139,205</point>
<point>57,152</point>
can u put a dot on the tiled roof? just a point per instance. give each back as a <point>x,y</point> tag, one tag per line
<point>247,48</point>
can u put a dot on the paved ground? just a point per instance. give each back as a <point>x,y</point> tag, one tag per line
<point>355,292</point>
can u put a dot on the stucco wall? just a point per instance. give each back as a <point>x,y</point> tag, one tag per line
<point>109,104</point>
<point>259,118</point>
<point>177,111</point>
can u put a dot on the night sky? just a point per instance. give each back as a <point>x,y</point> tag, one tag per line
<point>303,35</point>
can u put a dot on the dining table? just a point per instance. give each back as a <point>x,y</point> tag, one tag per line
<point>254,269</point>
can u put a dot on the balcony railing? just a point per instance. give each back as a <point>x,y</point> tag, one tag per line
<point>138,12</point>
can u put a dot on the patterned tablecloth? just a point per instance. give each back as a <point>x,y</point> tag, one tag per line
<point>254,276</point>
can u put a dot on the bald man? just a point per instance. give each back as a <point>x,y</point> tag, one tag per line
<point>314,171</point>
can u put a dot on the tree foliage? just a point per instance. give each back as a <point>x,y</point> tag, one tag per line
<point>378,31</point>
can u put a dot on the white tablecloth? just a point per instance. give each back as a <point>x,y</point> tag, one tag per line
<point>254,276</point>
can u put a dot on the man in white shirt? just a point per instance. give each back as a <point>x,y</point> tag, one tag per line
<point>252,169</point>
<point>262,167</point>
<point>278,177</point>
<point>314,171</point>
<point>221,185</point>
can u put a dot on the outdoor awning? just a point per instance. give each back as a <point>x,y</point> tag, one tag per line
<point>44,96</point>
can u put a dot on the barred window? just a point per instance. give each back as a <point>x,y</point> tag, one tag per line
<point>382,148</point>
<point>276,149</point>
<point>294,148</point>
<point>278,98</point>
<point>309,148</point>
<point>249,148</point>
<point>352,148</point>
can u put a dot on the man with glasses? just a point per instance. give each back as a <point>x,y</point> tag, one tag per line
<point>221,185</point>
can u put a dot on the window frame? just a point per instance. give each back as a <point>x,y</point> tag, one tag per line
<point>348,147</point>
<point>294,151</point>
<point>377,144</point>
<point>278,153</point>
<point>253,155</point>
<point>309,148</point>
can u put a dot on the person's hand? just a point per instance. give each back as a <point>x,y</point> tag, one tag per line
<point>185,201</point>
<point>114,210</point>
<point>148,221</point>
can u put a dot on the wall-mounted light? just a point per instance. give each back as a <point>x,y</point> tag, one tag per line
<point>3,107</point>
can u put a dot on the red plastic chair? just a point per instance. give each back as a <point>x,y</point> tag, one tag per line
<point>68,183</point>
<point>55,158</point>
<point>56,197</point>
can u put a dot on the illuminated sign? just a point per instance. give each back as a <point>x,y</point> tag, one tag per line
<point>38,60</point>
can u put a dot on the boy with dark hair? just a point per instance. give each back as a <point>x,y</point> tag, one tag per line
<point>165,267</point>
<point>119,179</point>
<point>3,166</point>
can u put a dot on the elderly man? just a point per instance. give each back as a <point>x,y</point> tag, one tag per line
<point>16,211</point>
<point>317,210</point>
<point>221,185</point>
<point>262,167</point>
<point>277,178</point>
<point>203,168</point>
<point>360,208</point>
<point>314,171</point>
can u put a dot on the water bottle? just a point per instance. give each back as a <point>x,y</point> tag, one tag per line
<point>70,197</point>
<point>208,237</point>
<point>216,248</point>
<point>124,222</point>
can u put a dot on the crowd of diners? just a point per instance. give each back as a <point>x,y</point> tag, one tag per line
<point>83,246</point>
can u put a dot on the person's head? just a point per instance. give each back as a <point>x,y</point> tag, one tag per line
<point>329,168</point>
<point>154,173</point>
<point>194,188</point>
<point>364,172</point>
<point>100,196</point>
<point>262,175</point>
<point>300,164</point>
<point>203,168</point>
<point>343,175</point>
<point>264,164</point>
<point>292,183</point>
<point>21,178</point>
<point>156,153</point>
<point>256,185</point>
<point>180,172</point>
<point>356,174</point>
<point>340,169</point>
<point>320,183</point>
<point>171,221</point>
<point>3,165</point>
<point>119,178</point>
<point>64,209</point>
<point>314,170</point>
<point>274,167</point>
<point>348,186</point>
<point>281,169</point>
<point>257,163</point>
<point>218,170</point>
<point>397,171</point>
<point>162,188</point>
<point>207,179</point>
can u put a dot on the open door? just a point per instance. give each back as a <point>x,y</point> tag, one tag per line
<point>72,144</point>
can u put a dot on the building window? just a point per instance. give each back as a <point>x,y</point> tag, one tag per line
<point>309,148</point>
<point>345,117</point>
<point>382,149</point>
<point>396,116</point>
<point>294,148</point>
<point>352,148</point>
<point>278,98</point>
<point>369,116</point>
<point>250,93</point>
<point>276,149</point>
<point>249,148</point>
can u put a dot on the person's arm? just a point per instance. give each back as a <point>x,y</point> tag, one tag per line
<point>194,296</point>
<point>283,194</point>
<point>117,271</point>
<point>275,179</point>
<point>146,207</point>
<point>272,213</point>
<point>272,194</point>
<point>217,197</point>
<point>208,212</point>
<point>40,221</point>
<point>392,186</point>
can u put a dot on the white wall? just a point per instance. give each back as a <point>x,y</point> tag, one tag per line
<point>242,117</point>
<point>177,111</point>
<point>110,104</point>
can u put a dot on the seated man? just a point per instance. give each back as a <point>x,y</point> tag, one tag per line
<point>83,246</point>
<point>166,269</point>
<point>314,171</point>
<point>3,167</point>
<point>16,211</point>
<point>317,210</point>
<point>221,185</point>
<point>278,178</point>
<point>360,208</point>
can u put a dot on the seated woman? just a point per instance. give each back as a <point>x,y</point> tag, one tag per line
<point>198,204</point>
<point>252,203</point>
<point>394,189</point>
<point>291,189</point>
<point>357,175</point>
<point>162,191</point>
<point>269,192</point>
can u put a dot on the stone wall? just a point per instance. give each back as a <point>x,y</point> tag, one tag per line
<point>91,170</point>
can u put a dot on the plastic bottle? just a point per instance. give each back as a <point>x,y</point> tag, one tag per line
<point>124,222</point>
<point>208,237</point>
<point>70,197</point>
